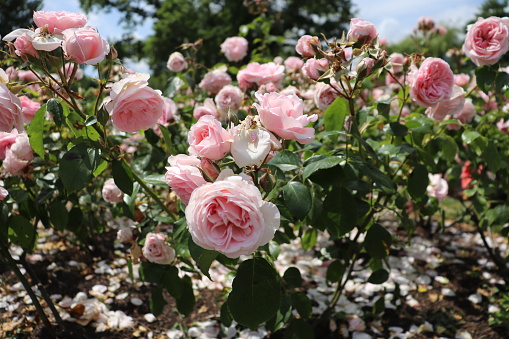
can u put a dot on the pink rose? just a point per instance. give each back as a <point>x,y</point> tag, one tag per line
<point>365,67</point>
<point>207,138</point>
<point>461,79</point>
<point>29,107</point>
<point>27,76</point>
<point>208,108</point>
<point>284,116</point>
<point>325,95</point>
<point>125,235</point>
<point>503,126</point>
<point>256,74</point>
<point>361,29</point>
<point>466,115</point>
<point>3,192</point>
<point>314,68</point>
<point>184,176</point>
<point>84,46</point>
<point>396,60</point>
<point>437,187</point>
<point>133,105</point>
<point>230,216</point>
<point>157,249</point>
<point>69,68</point>
<point>234,48</point>
<point>169,111</point>
<point>425,23</point>
<point>23,45</point>
<point>441,30</point>
<point>6,141</point>
<point>12,164</point>
<point>111,192</point>
<point>432,83</point>
<point>487,40</point>
<point>213,81</point>
<point>293,64</point>
<point>304,46</point>
<point>18,156</point>
<point>57,22</point>
<point>450,106</point>
<point>176,62</point>
<point>10,110</point>
<point>229,98</point>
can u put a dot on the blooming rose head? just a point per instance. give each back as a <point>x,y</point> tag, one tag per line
<point>125,235</point>
<point>12,164</point>
<point>183,176</point>
<point>432,83</point>
<point>169,112</point>
<point>450,106</point>
<point>19,155</point>
<point>461,79</point>
<point>325,95</point>
<point>176,62</point>
<point>361,30</point>
<point>251,143</point>
<point>133,105</point>
<point>157,250</point>
<point>229,98</point>
<point>208,108</point>
<point>213,81</point>
<point>256,74</point>
<point>57,22</point>
<point>111,192</point>
<point>207,138</point>
<point>487,40</point>
<point>304,46</point>
<point>10,110</point>
<point>284,116</point>
<point>437,187</point>
<point>29,107</point>
<point>293,64</point>
<point>229,216</point>
<point>23,45</point>
<point>234,48</point>
<point>6,141</point>
<point>314,68</point>
<point>84,46</point>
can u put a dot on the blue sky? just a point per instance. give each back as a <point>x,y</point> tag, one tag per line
<point>394,19</point>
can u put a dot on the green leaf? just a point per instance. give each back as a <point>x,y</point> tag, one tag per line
<point>341,208</point>
<point>123,176</point>
<point>322,164</point>
<point>379,178</point>
<point>77,125</point>
<point>449,148</point>
<point>420,124</point>
<point>335,114</point>
<point>378,277</point>
<point>418,182</point>
<point>54,107</point>
<point>492,156</point>
<point>78,165</point>
<point>22,233</point>
<point>225,315</point>
<point>103,116</point>
<point>58,214</point>
<point>297,199</point>
<point>378,242</point>
<point>485,76</point>
<point>172,282</point>
<point>155,179</point>
<point>36,130</point>
<point>292,277</point>
<point>299,329</point>
<point>286,160</point>
<point>202,257</point>
<point>469,136</point>
<point>396,129</point>
<point>186,302</point>
<point>157,301</point>
<point>502,82</point>
<point>302,304</point>
<point>309,238</point>
<point>151,272</point>
<point>256,293</point>
<point>335,271</point>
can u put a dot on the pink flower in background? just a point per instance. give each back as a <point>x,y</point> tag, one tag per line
<point>27,76</point>
<point>18,155</point>
<point>487,40</point>
<point>57,22</point>
<point>69,68</point>
<point>314,68</point>
<point>157,250</point>
<point>230,216</point>
<point>10,110</point>
<point>207,138</point>
<point>304,47</point>
<point>466,115</point>
<point>24,45</point>
<point>432,83</point>
<point>437,187</point>
<point>503,126</point>
<point>111,192</point>
<point>284,116</point>
<point>3,192</point>
<point>229,98</point>
<point>425,23</point>
<point>208,108</point>
<point>396,60</point>
<point>461,79</point>
<point>6,141</point>
<point>29,107</point>
<point>12,164</point>
<point>361,29</point>
<point>169,112</point>
<point>183,176</point>
<point>125,235</point>
<point>133,105</point>
<point>234,48</point>
<point>213,81</point>
<point>256,74</point>
<point>84,46</point>
<point>325,95</point>
<point>293,64</point>
<point>450,106</point>
<point>176,62</point>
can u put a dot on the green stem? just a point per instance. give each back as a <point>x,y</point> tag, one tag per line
<point>150,192</point>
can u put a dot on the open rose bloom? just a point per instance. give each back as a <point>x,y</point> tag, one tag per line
<point>59,21</point>
<point>432,83</point>
<point>157,249</point>
<point>229,216</point>
<point>487,40</point>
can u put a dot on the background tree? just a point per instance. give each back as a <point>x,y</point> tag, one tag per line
<point>17,14</point>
